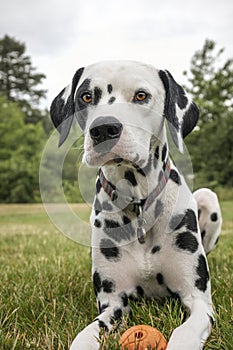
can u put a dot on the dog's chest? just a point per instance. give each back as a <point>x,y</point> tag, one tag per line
<point>148,264</point>
<point>122,257</point>
<point>143,263</point>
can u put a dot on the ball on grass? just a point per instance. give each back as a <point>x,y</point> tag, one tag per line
<point>140,337</point>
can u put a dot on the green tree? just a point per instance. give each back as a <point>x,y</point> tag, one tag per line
<point>20,151</point>
<point>52,164</point>
<point>211,144</point>
<point>211,82</point>
<point>19,80</point>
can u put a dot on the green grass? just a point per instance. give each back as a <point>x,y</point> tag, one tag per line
<point>46,293</point>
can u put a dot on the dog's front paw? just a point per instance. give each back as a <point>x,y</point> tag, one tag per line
<point>185,339</point>
<point>87,339</point>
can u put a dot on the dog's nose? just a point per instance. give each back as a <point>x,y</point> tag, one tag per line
<point>105,129</point>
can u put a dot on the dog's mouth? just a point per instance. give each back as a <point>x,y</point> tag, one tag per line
<point>117,161</point>
<point>126,158</point>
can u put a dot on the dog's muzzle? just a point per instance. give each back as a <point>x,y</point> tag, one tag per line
<point>105,132</point>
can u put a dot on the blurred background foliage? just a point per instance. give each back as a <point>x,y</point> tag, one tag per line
<point>25,126</point>
<point>210,83</point>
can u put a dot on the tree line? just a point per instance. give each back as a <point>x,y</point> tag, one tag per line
<point>211,144</point>
<point>25,126</point>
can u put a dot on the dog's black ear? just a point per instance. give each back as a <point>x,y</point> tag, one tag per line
<point>62,108</point>
<point>181,113</point>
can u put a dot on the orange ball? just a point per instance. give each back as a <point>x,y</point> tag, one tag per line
<point>139,337</point>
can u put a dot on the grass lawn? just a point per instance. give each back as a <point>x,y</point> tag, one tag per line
<point>46,293</point>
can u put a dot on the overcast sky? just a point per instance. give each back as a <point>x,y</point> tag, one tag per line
<point>62,36</point>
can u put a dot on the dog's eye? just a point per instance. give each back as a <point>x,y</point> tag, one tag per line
<point>140,96</point>
<point>86,97</point>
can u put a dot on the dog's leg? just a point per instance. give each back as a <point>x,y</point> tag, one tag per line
<point>210,218</point>
<point>192,334</point>
<point>89,338</point>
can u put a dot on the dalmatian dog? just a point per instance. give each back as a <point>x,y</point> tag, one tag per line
<point>210,218</point>
<point>146,240</point>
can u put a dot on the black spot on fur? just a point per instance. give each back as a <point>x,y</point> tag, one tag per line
<point>164,152</point>
<point>187,219</point>
<point>157,152</point>
<point>129,175</point>
<point>158,208</point>
<point>214,217</point>
<point>174,295</point>
<point>97,206</point>
<point>155,249</point>
<point>97,223</point>
<point>190,220</point>
<point>159,278</point>
<point>103,307</point>
<point>112,229</point>
<point>108,286</point>
<point>111,100</point>
<point>199,213</point>
<point>107,206</point>
<point>203,233</point>
<point>156,157</point>
<point>140,291</point>
<point>109,88</point>
<point>124,298</point>
<point>117,315</point>
<point>187,241</point>
<point>96,282</point>
<point>132,297</point>
<point>103,325</point>
<point>110,224</point>
<point>202,271</point>
<point>126,220</point>
<point>139,170</point>
<point>109,250</point>
<point>97,95</point>
<point>175,177</point>
<point>177,222</point>
<point>117,232</point>
<point>98,186</point>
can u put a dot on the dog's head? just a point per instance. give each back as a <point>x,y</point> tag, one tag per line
<point>119,105</point>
